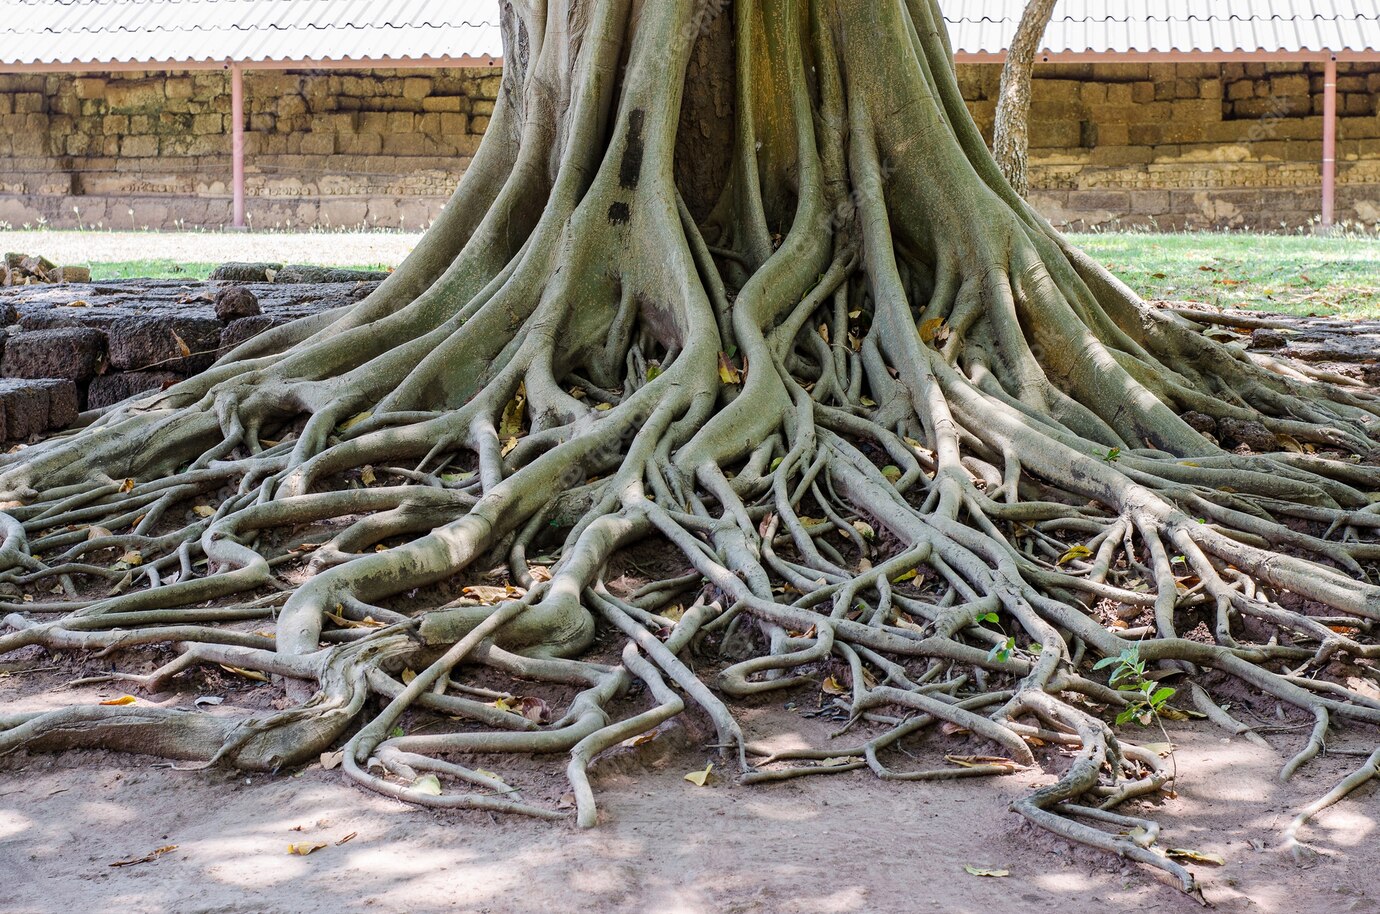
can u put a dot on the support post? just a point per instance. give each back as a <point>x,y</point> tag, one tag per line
<point>237,140</point>
<point>1329,162</point>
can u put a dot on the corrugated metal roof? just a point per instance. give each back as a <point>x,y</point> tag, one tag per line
<point>94,32</point>
<point>247,31</point>
<point>1121,26</point>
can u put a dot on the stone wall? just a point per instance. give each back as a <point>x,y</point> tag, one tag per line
<point>1175,145</point>
<point>1193,145</point>
<point>378,148</point>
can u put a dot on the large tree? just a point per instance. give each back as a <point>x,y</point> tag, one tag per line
<point>1011,133</point>
<point>742,279</point>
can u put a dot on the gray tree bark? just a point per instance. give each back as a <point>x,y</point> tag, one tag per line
<point>1011,141</point>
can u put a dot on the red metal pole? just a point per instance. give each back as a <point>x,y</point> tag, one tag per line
<point>1329,163</point>
<point>237,140</point>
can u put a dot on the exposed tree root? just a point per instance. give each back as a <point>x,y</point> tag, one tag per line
<point>902,435</point>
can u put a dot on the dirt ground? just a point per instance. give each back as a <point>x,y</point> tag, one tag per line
<point>837,844</point>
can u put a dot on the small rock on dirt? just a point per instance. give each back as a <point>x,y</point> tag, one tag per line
<point>1251,434</point>
<point>1201,423</point>
<point>236,301</point>
<point>1266,338</point>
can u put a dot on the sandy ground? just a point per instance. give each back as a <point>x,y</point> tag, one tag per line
<point>325,248</point>
<point>841,844</point>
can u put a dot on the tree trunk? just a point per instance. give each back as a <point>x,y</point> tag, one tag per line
<point>1011,138</point>
<point>742,280</point>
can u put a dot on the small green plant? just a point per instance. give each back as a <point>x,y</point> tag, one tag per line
<point>1112,456</point>
<point>1147,701</point>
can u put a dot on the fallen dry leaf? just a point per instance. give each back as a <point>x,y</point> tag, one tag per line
<point>980,871</point>
<point>303,850</point>
<point>148,858</point>
<point>700,778</point>
<point>429,784</point>
<point>122,700</point>
<point>1183,853</point>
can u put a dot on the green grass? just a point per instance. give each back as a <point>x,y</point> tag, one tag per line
<point>151,269</point>
<point>172,269</point>
<point>1296,274</point>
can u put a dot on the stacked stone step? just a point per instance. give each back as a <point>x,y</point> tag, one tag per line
<point>26,270</point>
<point>87,346</point>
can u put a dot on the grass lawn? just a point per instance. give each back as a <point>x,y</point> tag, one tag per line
<point>1292,273</point>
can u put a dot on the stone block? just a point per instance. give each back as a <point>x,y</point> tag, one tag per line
<point>125,95</point>
<point>30,407</point>
<point>118,386</point>
<point>139,147</point>
<point>416,87</point>
<point>1291,84</point>
<point>74,354</point>
<point>145,342</point>
<point>179,87</point>
<point>89,87</point>
<point>244,272</point>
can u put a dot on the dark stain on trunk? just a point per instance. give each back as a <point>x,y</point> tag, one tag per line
<point>619,214</point>
<point>630,171</point>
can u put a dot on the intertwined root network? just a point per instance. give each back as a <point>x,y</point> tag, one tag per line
<point>743,281</point>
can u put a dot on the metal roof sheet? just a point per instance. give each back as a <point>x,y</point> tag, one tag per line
<point>168,32</point>
<point>1121,26</point>
<point>246,31</point>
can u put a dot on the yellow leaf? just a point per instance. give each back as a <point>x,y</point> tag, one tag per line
<point>837,761</point>
<point>490,775</point>
<point>833,687</point>
<point>380,548</point>
<point>127,485</point>
<point>183,349</point>
<point>408,676</point>
<point>577,393</point>
<point>1183,853</point>
<point>122,700</point>
<point>906,576</point>
<point>504,704</point>
<point>978,761</point>
<point>1290,443</point>
<point>824,332</point>
<point>508,446</point>
<point>79,303</point>
<point>865,529</point>
<point>934,330</point>
<point>332,760</point>
<point>351,423</point>
<point>133,558</point>
<point>428,784</point>
<point>979,871</point>
<point>1075,552</point>
<point>700,778</point>
<point>302,850</point>
<point>728,373</point>
<point>204,511</point>
<point>367,476</point>
<point>510,426</point>
<point>247,674</point>
<point>639,740</point>
<point>892,474</point>
<point>603,407</point>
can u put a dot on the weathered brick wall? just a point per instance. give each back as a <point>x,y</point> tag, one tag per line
<point>343,148</point>
<point>1193,145</point>
<point>1177,145</point>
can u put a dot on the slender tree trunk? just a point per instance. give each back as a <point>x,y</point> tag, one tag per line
<point>743,280</point>
<point>1011,139</point>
